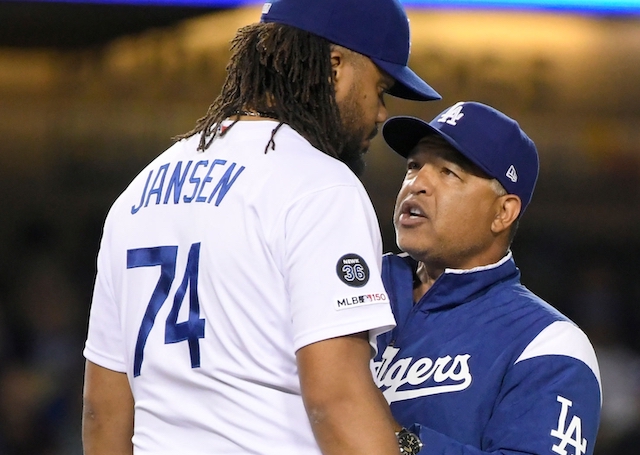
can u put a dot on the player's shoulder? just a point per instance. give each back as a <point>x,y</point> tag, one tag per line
<point>536,327</point>
<point>562,338</point>
<point>288,155</point>
<point>294,148</point>
<point>140,180</point>
<point>542,332</point>
<point>520,303</point>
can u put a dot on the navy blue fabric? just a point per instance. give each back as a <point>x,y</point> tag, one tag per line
<point>378,29</point>
<point>486,136</point>
<point>479,400</point>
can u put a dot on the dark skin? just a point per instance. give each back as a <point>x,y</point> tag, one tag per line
<point>338,392</point>
<point>342,405</point>
<point>107,418</point>
<point>338,407</point>
<point>359,92</point>
<point>347,412</point>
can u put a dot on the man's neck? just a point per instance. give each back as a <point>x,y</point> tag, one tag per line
<point>426,278</point>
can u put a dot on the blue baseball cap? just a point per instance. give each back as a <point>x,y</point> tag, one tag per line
<point>487,137</point>
<point>378,29</point>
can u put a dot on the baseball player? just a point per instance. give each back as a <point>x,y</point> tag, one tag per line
<point>238,288</point>
<point>477,362</point>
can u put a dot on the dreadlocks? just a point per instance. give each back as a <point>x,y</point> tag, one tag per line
<point>282,71</point>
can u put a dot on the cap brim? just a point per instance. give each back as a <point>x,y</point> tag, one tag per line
<point>402,134</point>
<point>408,84</point>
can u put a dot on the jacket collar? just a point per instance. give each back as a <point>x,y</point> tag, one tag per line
<point>455,286</point>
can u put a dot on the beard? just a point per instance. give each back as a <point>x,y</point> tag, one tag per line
<point>354,133</point>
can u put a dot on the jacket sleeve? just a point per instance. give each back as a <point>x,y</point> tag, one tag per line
<point>549,404</point>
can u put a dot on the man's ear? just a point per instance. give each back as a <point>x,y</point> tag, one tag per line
<point>338,60</point>
<point>507,211</point>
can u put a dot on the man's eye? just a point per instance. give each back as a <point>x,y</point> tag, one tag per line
<point>412,165</point>
<point>447,171</point>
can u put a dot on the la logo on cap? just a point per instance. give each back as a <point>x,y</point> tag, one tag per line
<point>512,174</point>
<point>265,8</point>
<point>453,114</point>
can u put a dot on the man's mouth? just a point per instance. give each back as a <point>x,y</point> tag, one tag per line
<point>411,212</point>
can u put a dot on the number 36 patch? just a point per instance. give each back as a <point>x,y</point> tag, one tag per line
<point>352,270</point>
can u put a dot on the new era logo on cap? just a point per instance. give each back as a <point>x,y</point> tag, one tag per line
<point>487,137</point>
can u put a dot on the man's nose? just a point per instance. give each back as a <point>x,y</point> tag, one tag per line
<point>383,114</point>
<point>423,180</point>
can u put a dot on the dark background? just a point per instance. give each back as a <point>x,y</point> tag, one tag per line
<point>33,24</point>
<point>578,246</point>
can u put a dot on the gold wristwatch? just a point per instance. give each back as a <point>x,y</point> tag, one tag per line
<point>409,443</point>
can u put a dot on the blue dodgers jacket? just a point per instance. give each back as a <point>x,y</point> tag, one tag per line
<point>482,365</point>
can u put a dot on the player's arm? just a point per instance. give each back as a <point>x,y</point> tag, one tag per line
<point>341,399</point>
<point>107,419</point>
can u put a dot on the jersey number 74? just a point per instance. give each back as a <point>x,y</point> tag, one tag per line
<point>190,330</point>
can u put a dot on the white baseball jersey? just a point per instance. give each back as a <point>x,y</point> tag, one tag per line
<point>214,268</point>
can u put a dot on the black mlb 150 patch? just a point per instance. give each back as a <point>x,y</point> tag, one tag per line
<point>353,270</point>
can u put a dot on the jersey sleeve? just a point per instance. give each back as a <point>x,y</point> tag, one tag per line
<point>104,344</point>
<point>332,266</point>
<point>550,402</point>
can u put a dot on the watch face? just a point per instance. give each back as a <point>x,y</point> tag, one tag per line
<point>409,443</point>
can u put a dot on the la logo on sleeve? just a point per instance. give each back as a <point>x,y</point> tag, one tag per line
<point>568,434</point>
